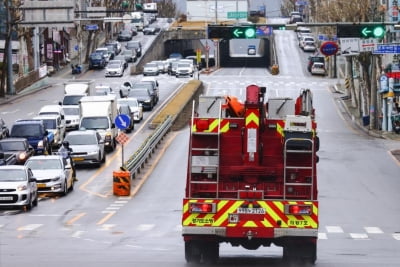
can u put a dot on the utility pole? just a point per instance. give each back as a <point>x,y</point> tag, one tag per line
<point>373,95</point>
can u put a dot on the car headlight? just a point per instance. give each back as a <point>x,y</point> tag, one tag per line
<point>55,179</point>
<point>40,144</point>
<point>22,156</point>
<point>22,187</point>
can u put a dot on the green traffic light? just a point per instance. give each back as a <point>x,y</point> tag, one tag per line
<point>250,33</point>
<point>378,32</point>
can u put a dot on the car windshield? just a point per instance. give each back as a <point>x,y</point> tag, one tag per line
<point>96,56</point>
<point>131,103</point>
<point>183,65</point>
<point>147,85</point>
<point>140,93</point>
<point>94,123</point>
<point>44,164</point>
<point>12,146</point>
<point>50,123</point>
<point>113,65</point>
<point>127,52</point>
<point>71,111</point>
<point>71,99</point>
<point>151,65</point>
<point>132,45</point>
<point>9,175</point>
<point>26,130</point>
<point>81,139</point>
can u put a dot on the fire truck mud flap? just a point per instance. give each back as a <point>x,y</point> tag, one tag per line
<point>199,251</point>
<point>300,250</point>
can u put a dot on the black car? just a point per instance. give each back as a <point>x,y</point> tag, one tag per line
<point>124,35</point>
<point>123,59</point>
<point>130,55</point>
<point>126,110</point>
<point>4,131</point>
<point>19,146</point>
<point>144,96</point>
<point>151,30</point>
<point>150,86</point>
<point>135,45</point>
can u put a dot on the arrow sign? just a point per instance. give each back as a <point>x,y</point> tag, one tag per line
<point>366,32</point>
<point>122,121</point>
<point>237,32</point>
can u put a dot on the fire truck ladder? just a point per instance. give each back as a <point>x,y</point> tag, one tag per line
<point>295,148</point>
<point>208,163</point>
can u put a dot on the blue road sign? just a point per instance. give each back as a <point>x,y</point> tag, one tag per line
<point>92,27</point>
<point>122,121</point>
<point>387,49</point>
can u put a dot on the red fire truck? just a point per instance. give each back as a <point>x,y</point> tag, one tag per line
<point>251,177</point>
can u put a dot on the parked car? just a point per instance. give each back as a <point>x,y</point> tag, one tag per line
<point>54,124</point>
<point>71,117</point>
<point>150,68</point>
<point>124,35</point>
<point>18,188</point>
<point>4,131</point>
<point>130,55</point>
<point>115,68</point>
<point>135,45</point>
<point>144,96</point>
<point>126,110</point>
<point>318,68</point>
<point>52,172</point>
<point>87,147</point>
<point>134,105</point>
<point>19,146</point>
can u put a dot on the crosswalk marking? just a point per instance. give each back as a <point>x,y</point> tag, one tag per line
<point>373,230</point>
<point>396,236</point>
<point>334,229</point>
<point>359,236</point>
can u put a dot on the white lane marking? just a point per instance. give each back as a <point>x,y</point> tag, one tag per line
<point>322,236</point>
<point>145,227</point>
<point>29,227</point>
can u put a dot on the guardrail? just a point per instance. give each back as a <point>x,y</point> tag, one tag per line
<point>139,158</point>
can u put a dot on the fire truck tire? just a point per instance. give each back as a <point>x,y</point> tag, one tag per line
<point>192,252</point>
<point>210,252</point>
<point>307,253</point>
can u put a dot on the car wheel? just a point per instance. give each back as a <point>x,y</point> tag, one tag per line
<point>35,201</point>
<point>65,188</point>
<point>103,160</point>
<point>29,206</point>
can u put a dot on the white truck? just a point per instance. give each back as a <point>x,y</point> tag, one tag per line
<point>150,11</point>
<point>75,89</point>
<point>98,113</point>
<point>138,20</point>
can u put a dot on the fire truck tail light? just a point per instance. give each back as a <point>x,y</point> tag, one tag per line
<point>198,207</point>
<point>202,125</point>
<point>298,209</point>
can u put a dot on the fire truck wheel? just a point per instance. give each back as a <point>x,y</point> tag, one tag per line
<point>192,252</point>
<point>307,253</point>
<point>210,252</point>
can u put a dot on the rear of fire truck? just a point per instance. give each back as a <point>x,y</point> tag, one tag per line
<point>251,177</point>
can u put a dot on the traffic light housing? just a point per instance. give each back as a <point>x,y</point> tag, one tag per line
<point>361,31</point>
<point>232,32</point>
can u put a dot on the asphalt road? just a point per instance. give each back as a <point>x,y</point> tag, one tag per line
<point>358,182</point>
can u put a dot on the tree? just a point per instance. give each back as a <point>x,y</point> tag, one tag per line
<point>167,9</point>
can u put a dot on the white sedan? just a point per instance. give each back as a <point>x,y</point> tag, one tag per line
<point>53,174</point>
<point>115,68</point>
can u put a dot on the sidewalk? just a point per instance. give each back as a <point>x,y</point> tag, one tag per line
<point>354,115</point>
<point>41,84</point>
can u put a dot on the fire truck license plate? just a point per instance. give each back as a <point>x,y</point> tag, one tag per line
<point>251,210</point>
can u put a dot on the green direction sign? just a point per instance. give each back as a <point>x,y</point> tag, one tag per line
<point>237,15</point>
<point>246,32</point>
<point>377,31</point>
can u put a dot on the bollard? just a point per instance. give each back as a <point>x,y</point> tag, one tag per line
<point>121,183</point>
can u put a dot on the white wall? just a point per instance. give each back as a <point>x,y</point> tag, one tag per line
<point>205,10</point>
